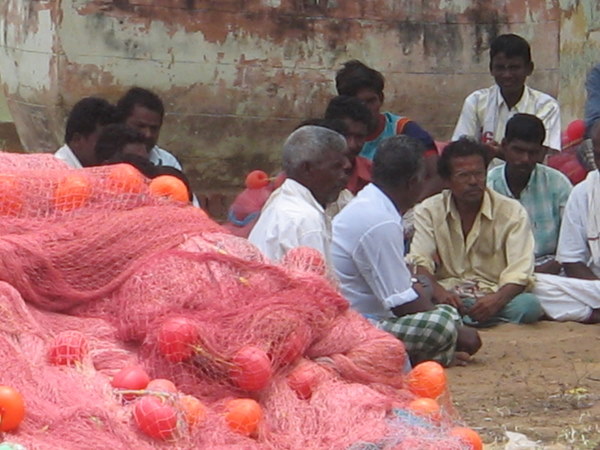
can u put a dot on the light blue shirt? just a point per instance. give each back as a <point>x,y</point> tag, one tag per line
<point>368,255</point>
<point>544,198</point>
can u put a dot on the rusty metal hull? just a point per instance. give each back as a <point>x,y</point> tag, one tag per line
<point>238,75</point>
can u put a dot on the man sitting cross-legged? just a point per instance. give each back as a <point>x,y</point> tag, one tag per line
<point>542,190</point>
<point>475,245</point>
<point>368,256</point>
<point>315,160</point>
<point>577,296</point>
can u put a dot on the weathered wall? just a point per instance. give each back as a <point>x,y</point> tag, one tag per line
<point>579,51</point>
<point>238,75</point>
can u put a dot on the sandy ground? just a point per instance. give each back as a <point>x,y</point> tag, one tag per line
<point>540,380</point>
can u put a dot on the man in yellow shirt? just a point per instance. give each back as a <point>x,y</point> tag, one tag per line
<point>475,245</point>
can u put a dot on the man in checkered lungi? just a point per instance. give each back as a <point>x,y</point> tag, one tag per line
<point>368,256</point>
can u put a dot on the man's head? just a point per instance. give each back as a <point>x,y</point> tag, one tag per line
<point>84,124</point>
<point>358,80</point>
<point>523,144</point>
<point>463,166</point>
<point>510,62</point>
<point>399,170</point>
<point>118,139</point>
<point>317,158</point>
<point>143,110</point>
<point>356,116</point>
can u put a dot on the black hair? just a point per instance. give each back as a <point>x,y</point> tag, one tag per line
<point>336,125</point>
<point>512,46</point>
<point>355,75</point>
<point>141,97</point>
<point>525,127</point>
<point>114,138</point>
<point>463,147</point>
<point>397,160</point>
<point>87,114</point>
<point>345,106</point>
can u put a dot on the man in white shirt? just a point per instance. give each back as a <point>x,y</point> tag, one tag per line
<point>577,297</point>
<point>84,124</point>
<point>144,111</point>
<point>486,111</point>
<point>368,256</point>
<point>316,162</point>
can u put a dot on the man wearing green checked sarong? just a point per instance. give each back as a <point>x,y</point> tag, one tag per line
<point>368,256</point>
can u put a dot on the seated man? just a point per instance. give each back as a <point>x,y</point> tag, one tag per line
<point>358,120</point>
<point>358,80</point>
<point>486,111</point>
<point>542,190</point>
<point>368,256</point>
<point>144,111</point>
<point>316,163</point>
<point>85,121</point>
<point>475,245</point>
<point>577,298</point>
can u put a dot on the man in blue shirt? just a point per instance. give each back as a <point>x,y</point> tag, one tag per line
<point>542,190</point>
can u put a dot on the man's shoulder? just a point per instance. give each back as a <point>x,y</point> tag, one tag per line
<point>542,98</point>
<point>480,95</point>
<point>507,208</point>
<point>553,177</point>
<point>162,157</point>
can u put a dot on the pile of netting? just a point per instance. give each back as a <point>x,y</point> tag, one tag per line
<point>105,286</point>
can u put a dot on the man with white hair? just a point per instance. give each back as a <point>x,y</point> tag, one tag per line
<point>316,162</point>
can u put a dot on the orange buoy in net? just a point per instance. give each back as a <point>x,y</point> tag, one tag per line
<point>243,415</point>
<point>11,195</point>
<point>194,411</point>
<point>124,178</point>
<point>425,407</point>
<point>427,379</point>
<point>170,187</point>
<point>468,436</point>
<point>72,192</point>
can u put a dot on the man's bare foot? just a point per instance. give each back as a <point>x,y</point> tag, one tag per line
<point>460,359</point>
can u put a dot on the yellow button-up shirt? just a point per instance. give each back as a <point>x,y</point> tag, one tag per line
<point>498,250</point>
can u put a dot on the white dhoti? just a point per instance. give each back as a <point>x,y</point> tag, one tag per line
<point>567,299</point>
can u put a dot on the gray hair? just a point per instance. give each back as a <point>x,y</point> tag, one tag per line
<point>398,159</point>
<point>310,144</point>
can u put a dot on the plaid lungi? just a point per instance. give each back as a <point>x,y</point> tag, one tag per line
<point>429,335</point>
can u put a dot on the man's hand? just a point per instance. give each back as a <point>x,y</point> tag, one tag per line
<point>486,307</point>
<point>552,267</point>
<point>445,297</point>
<point>495,150</point>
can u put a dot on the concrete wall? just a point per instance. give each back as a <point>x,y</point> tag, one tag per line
<point>238,75</point>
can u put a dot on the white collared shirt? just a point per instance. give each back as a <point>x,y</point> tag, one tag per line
<point>573,245</point>
<point>291,218</point>
<point>485,113</point>
<point>66,155</point>
<point>161,157</point>
<point>368,255</point>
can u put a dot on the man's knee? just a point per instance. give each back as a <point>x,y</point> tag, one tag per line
<point>524,308</point>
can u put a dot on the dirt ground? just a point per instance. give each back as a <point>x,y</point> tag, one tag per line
<point>540,380</point>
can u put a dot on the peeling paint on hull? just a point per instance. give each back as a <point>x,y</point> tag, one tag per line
<point>238,75</point>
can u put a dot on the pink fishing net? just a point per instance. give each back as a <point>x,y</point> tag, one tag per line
<point>97,275</point>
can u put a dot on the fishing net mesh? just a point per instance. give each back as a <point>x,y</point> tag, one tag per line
<point>97,274</point>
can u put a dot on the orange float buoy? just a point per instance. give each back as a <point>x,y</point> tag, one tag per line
<point>425,407</point>
<point>11,196</point>
<point>243,415</point>
<point>72,192</point>
<point>170,187</point>
<point>194,411</point>
<point>468,436</point>
<point>427,379</point>
<point>124,178</point>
